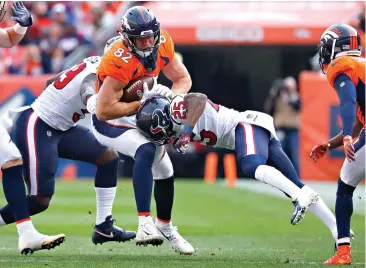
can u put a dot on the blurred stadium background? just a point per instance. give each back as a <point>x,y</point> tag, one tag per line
<point>243,55</point>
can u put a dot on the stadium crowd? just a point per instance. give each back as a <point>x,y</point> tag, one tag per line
<point>59,28</point>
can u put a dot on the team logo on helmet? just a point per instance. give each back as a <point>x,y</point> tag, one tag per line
<point>160,122</point>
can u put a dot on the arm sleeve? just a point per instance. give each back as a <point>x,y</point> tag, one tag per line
<point>347,97</point>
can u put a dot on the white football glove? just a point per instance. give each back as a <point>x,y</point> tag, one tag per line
<point>163,91</point>
<point>91,104</point>
<point>147,94</point>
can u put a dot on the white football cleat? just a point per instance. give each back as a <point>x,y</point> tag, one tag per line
<point>179,244</point>
<point>32,241</point>
<point>304,200</point>
<point>147,234</point>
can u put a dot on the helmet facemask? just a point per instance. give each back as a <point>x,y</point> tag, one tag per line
<point>143,53</point>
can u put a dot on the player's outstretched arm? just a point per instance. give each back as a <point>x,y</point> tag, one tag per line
<point>108,104</point>
<point>176,72</point>
<point>337,141</point>
<point>196,103</point>
<point>347,96</point>
<point>11,36</point>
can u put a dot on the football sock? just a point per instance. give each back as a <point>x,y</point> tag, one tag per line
<point>105,189</point>
<point>344,210</point>
<point>142,177</point>
<point>34,207</point>
<point>105,198</point>
<point>106,175</point>
<point>24,226</point>
<point>275,178</point>
<point>14,190</point>
<point>2,222</point>
<point>144,219</point>
<point>162,224</point>
<point>279,160</point>
<point>164,197</point>
<point>321,210</point>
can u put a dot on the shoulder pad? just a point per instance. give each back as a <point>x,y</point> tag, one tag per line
<point>342,65</point>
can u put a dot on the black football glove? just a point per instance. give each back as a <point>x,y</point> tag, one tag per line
<point>21,14</point>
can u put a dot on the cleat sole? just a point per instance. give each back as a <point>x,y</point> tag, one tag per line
<point>153,241</point>
<point>48,246</point>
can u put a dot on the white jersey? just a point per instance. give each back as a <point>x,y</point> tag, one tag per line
<point>61,104</point>
<point>216,126</point>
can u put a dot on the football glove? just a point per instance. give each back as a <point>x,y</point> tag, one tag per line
<point>319,151</point>
<point>21,14</point>
<point>162,91</point>
<point>181,144</point>
<point>349,150</point>
<point>147,94</point>
<point>91,104</point>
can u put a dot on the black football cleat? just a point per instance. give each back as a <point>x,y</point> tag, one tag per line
<point>107,232</point>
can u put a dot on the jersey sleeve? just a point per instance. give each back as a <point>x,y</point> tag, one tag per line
<point>342,65</point>
<point>168,44</point>
<point>112,65</point>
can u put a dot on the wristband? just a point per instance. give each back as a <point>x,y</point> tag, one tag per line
<point>187,129</point>
<point>20,29</point>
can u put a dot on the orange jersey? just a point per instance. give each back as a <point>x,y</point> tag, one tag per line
<point>354,68</point>
<point>120,63</point>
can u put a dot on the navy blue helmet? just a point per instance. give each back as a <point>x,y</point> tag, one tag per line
<point>337,39</point>
<point>140,22</point>
<point>153,120</point>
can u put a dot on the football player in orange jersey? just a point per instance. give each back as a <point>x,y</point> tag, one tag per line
<point>339,54</point>
<point>143,49</point>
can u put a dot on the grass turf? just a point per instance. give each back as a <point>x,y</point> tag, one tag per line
<point>228,227</point>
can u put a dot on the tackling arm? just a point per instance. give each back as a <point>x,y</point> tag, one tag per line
<point>196,103</point>
<point>178,74</point>
<point>108,104</point>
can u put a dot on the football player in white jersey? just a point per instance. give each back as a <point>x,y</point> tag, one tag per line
<point>251,134</point>
<point>10,157</point>
<point>47,130</point>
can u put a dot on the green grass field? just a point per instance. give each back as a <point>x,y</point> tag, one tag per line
<point>228,227</point>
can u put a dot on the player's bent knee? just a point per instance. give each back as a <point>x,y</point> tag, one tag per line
<point>344,188</point>
<point>250,163</point>
<point>352,174</point>
<point>108,156</point>
<point>147,152</point>
<point>38,204</point>
<point>12,163</point>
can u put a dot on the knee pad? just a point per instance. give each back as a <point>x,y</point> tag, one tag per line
<point>250,163</point>
<point>345,189</point>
